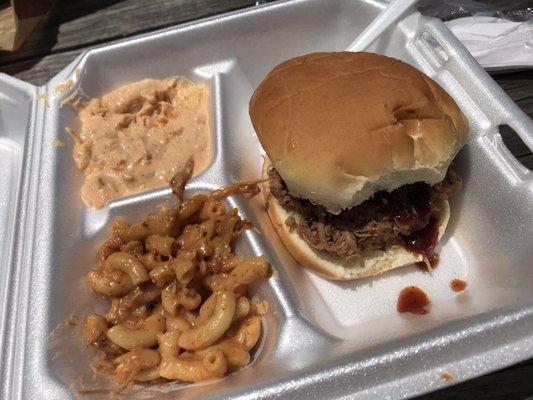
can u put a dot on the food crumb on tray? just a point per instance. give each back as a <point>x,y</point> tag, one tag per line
<point>446,376</point>
<point>59,143</point>
<point>63,87</point>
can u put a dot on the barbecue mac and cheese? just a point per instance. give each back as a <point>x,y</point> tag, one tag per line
<point>179,307</point>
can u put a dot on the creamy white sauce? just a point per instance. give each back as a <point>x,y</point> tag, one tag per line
<point>136,137</point>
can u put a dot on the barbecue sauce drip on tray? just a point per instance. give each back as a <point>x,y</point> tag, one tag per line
<point>414,300</point>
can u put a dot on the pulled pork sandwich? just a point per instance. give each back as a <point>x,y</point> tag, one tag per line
<point>359,150</point>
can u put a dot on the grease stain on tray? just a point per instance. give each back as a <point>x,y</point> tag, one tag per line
<point>458,285</point>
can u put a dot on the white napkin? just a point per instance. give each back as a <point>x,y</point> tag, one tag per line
<point>494,42</point>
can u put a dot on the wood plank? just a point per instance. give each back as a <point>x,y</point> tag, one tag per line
<point>75,24</point>
<point>519,86</point>
<point>38,71</point>
<point>511,383</point>
<point>527,161</point>
<point>513,142</point>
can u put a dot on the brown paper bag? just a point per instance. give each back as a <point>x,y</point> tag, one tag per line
<point>18,18</point>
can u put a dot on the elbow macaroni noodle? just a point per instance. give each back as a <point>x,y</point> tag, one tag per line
<point>179,306</point>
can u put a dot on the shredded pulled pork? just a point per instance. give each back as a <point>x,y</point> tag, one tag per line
<point>385,219</point>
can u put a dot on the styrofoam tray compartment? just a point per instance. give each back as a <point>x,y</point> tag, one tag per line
<point>321,338</point>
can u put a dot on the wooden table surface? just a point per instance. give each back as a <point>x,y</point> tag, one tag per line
<point>78,25</point>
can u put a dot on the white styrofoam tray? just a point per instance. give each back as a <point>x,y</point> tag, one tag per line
<point>322,339</point>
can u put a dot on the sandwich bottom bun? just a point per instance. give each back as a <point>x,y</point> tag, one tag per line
<point>372,262</point>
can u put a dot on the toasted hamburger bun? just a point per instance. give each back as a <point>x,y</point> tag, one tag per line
<point>333,267</point>
<point>340,127</point>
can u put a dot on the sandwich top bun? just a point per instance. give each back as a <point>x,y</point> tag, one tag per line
<point>370,263</point>
<point>339,127</point>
